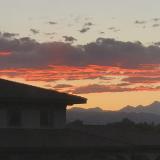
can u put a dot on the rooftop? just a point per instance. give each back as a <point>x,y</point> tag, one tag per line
<point>19,91</point>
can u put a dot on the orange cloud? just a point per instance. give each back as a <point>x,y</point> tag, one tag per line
<point>118,79</point>
<point>142,79</point>
<point>125,66</point>
<point>52,73</point>
<point>96,88</point>
<point>5,53</point>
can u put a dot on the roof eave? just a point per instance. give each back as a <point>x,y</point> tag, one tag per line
<point>78,101</point>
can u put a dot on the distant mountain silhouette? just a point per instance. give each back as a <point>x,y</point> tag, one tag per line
<point>149,114</point>
<point>96,109</point>
<point>152,108</point>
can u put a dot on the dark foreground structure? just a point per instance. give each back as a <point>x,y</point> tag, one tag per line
<point>32,127</point>
<point>25,106</point>
<point>68,144</point>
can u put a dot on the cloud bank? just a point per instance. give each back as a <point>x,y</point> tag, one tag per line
<point>27,52</point>
<point>132,62</point>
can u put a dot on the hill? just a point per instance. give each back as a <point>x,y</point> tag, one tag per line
<point>149,114</point>
<point>152,108</point>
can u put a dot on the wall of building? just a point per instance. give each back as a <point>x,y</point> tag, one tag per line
<point>59,117</point>
<point>30,118</point>
<point>3,118</point>
<point>56,115</point>
<point>80,155</point>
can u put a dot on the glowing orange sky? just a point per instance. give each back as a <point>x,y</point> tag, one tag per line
<point>107,51</point>
<point>104,86</point>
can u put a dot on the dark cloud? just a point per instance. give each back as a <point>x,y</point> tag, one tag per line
<point>52,22</point>
<point>69,39</point>
<point>88,24</point>
<point>86,27</point>
<point>50,34</point>
<point>62,86</point>
<point>123,84</point>
<point>111,28</point>
<point>142,79</point>
<point>114,29</point>
<point>126,54</point>
<point>84,30</point>
<point>140,22</point>
<point>96,88</point>
<point>9,35</point>
<point>102,32</point>
<point>156,19</point>
<point>21,49</point>
<point>27,52</point>
<point>24,44</point>
<point>156,25</point>
<point>34,31</point>
<point>157,43</point>
<point>117,30</point>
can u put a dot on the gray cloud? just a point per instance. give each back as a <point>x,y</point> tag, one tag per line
<point>111,28</point>
<point>88,24</point>
<point>114,29</point>
<point>27,52</point>
<point>84,30</point>
<point>52,22</point>
<point>117,30</point>
<point>157,43</point>
<point>69,39</point>
<point>156,19</point>
<point>155,25</point>
<point>34,31</point>
<point>140,22</point>
<point>9,35</point>
<point>50,34</point>
<point>101,32</point>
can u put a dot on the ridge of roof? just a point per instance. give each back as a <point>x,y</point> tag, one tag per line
<point>12,89</point>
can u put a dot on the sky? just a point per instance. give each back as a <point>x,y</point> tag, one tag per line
<point>105,50</point>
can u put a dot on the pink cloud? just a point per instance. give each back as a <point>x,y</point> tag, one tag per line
<point>5,53</point>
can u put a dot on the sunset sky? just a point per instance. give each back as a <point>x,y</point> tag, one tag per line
<point>105,50</point>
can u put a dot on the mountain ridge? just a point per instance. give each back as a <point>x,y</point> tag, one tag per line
<point>149,114</point>
<point>151,108</point>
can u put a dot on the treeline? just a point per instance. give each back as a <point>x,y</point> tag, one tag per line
<point>125,123</point>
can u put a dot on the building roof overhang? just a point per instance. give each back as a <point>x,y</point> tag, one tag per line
<point>19,92</point>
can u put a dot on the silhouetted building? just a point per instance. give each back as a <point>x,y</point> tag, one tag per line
<point>30,118</point>
<point>26,106</point>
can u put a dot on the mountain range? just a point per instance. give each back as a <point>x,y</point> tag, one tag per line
<point>149,114</point>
